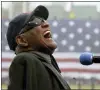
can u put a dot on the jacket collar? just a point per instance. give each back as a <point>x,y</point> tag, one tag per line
<point>47,58</point>
<point>42,56</point>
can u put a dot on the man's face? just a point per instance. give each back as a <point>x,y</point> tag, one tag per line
<point>40,37</point>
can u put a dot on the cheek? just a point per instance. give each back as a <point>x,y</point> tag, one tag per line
<point>35,36</point>
<point>38,30</point>
<point>34,40</point>
<point>30,38</point>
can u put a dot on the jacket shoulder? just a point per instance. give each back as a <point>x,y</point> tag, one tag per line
<point>24,57</point>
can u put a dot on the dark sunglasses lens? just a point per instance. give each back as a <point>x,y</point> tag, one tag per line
<point>32,24</point>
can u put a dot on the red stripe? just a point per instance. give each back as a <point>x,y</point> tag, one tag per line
<point>67,60</point>
<point>69,70</point>
<point>6,59</point>
<point>79,70</point>
<point>4,69</point>
<point>57,59</point>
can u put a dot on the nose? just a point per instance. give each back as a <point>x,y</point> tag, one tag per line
<point>45,24</point>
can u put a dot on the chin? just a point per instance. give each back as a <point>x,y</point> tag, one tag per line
<point>47,50</point>
<point>48,47</point>
<point>52,47</point>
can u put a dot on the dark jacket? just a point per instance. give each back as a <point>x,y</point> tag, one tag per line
<point>35,71</point>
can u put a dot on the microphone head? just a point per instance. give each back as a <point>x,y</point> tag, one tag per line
<point>86,58</point>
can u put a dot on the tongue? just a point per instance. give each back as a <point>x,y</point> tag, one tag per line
<point>47,35</point>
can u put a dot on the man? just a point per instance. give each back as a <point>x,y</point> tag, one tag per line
<point>34,67</point>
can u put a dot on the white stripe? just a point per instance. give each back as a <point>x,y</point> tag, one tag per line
<point>55,54</point>
<point>70,74</point>
<point>7,55</point>
<point>4,74</point>
<point>70,55</point>
<point>80,75</point>
<point>65,65</point>
<point>66,55</point>
<point>6,64</point>
<point>78,65</point>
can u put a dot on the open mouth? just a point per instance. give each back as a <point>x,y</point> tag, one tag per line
<point>47,34</point>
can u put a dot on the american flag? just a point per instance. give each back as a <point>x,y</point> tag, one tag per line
<point>73,37</point>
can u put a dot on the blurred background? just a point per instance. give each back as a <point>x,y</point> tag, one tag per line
<point>75,27</point>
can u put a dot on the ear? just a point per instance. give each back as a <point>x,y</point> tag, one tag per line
<point>21,41</point>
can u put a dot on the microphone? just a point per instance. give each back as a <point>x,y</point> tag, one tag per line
<point>88,58</point>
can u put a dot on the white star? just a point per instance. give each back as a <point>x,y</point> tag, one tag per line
<point>54,23</point>
<point>7,48</point>
<point>63,30</point>
<point>87,36</point>
<point>71,48</point>
<point>97,43</point>
<point>71,35</point>
<point>96,31</point>
<point>6,23</point>
<point>87,24</point>
<point>80,30</point>
<point>55,36</point>
<point>80,42</point>
<point>87,48</point>
<point>63,42</point>
<point>71,23</point>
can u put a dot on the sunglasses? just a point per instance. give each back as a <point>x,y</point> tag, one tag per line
<point>37,21</point>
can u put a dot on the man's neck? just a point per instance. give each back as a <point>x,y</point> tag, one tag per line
<point>22,49</point>
<point>25,49</point>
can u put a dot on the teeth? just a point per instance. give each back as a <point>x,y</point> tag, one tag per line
<point>47,32</point>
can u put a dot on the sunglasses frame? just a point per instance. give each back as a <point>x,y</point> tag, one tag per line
<point>32,24</point>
